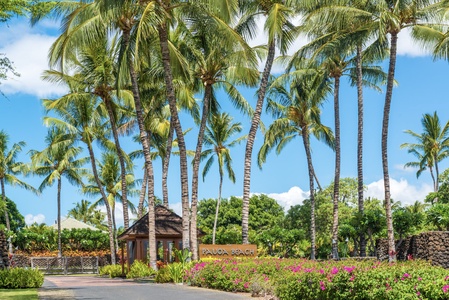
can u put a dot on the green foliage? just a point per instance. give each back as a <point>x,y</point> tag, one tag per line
<point>176,272</point>
<point>19,278</point>
<point>438,216</point>
<point>41,237</point>
<point>112,271</point>
<point>139,269</point>
<point>163,275</point>
<point>16,220</point>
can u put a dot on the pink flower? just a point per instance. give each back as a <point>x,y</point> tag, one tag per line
<point>321,271</point>
<point>418,293</point>
<point>419,278</point>
<point>322,286</point>
<point>445,288</point>
<point>246,285</point>
<point>334,271</point>
<point>406,275</point>
<point>306,270</point>
<point>349,269</point>
<point>352,278</point>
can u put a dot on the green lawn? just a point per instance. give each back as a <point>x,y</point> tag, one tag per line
<point>19,294</point>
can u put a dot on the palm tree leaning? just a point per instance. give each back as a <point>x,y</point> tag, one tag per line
<point>9,168</point>
<point>281,33</point>
<point>432,146</point>
<point>217,136</point>
<point>58,160</point>
<point>296,109</point>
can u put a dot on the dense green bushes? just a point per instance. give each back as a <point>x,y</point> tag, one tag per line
<point>18,278</point>
<point>112,271</point>
<point>40,238</point>
<point>304,279</point>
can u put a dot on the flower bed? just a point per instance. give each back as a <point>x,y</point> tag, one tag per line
<point>304,279</point>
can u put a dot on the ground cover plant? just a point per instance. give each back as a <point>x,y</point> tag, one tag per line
<point>305,279</point>
<point>23,294</point>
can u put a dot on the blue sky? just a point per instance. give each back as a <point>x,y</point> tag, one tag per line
<point>421,89</point>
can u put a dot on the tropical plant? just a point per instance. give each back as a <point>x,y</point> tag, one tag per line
<point>431,147</point>
<point>57,160</point>
<point>297,114</point>
<point>86,213</point>
<point>217,136</point>
<point>281,34</point>
<point>9,168</point>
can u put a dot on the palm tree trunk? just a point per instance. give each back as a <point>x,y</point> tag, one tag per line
<point>163,39</point>
<point>337,168</point>
<point>143,191</point>
<point>251,137</point>
<point>435,188</point>
<point>360,145</point>
<point>317,182</point>
<point>105,199</point>
<point>305,139</point>
<point>8,226</point>
<point>165,164</point>
<point>386,117</point>
<point>217,208</point>
<point>437,172</point>
<point>58,200</point>
<point>114,225</point>
<point>196,167</point>
<point>147,156</point>
<point>121,160</point>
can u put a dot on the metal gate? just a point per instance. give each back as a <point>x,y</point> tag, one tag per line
<point>66,265</point>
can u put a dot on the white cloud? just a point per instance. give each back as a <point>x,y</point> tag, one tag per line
<point>400,190</point>
<point>403,168</point>
<point>29,54</point>
<point>294,196</point>
<point>30,219</point>
<point>406,45</point>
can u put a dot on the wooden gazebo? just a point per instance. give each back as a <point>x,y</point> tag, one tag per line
<point>168,236</point>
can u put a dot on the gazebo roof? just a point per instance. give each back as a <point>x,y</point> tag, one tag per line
<point>167,224</point>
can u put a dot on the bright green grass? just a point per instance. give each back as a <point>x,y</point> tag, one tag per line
<point>18,294</point>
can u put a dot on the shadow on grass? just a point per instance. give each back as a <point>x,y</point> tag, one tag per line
<point>18,294</point>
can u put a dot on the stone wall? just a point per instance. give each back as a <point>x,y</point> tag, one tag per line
<point>432,246</point>
<point>4,261</point>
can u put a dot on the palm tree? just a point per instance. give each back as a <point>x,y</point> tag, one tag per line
<point>297,113</point>
<point>9,168</point>
<point>432,146</point>
<point>80,117</point>
<point>281,34</point>
<point>217,136</point>
<point>110,177</point>
<point>58,160</point>
<point>86,213</point>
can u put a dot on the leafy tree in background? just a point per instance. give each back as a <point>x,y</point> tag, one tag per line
<point>86,213</point>
<point>16,220</point>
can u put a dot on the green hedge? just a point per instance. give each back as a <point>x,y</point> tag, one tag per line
<point>18,278</point>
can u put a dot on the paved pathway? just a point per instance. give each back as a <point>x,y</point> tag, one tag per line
<point>96,288</point>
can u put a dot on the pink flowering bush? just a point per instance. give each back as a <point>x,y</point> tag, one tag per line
<point>305,279</point>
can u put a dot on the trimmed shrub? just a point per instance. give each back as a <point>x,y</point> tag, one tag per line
<point>18,278</point>
<point>140,269</point>
<point>163,275</point>
<point>112,271</point>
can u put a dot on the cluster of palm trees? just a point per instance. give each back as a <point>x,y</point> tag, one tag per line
<point>133,65</point>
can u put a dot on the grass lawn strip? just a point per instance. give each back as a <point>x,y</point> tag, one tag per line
<point>18,294</point>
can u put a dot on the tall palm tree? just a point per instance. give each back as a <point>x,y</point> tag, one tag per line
<point>432,146</point>
<point>281,33</point>
<point>9,168</point>
<point>110,176</point>
<point>297,114</point>
<point>57,160</point>
<point>217,136</point>
<point>80,117</point>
